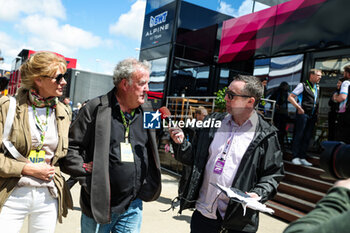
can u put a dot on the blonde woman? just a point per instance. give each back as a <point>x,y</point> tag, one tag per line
<point>35,187</point>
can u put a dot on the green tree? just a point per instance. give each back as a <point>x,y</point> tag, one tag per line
<point>220,103</point>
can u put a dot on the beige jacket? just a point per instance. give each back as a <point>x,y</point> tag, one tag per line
<point>10,168</point>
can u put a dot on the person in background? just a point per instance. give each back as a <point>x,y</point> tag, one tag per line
<point>34,186</point>
<point>243,153</point>
<point>200,113</point>
<point>4,80</point>
<point>333,113</point>
<point>262,103</point>
<point>280,119</point>
<point>76,111</point>
<point>306,116</point>
<point>331,214</point>
<point>343,118</point>
<point>109,135</point>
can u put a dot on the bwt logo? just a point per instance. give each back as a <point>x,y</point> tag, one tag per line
<point>151,120</point>
<point>158,19</point>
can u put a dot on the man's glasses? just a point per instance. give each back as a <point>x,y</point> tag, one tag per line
<point>58,78</point>
<point>231,94</point>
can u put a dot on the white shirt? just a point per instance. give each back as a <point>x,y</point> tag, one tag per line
<point>344,90</point>
<point>298,89</point>
<point>210,198</point>
<point>50,143</point>
<point>51,136</point>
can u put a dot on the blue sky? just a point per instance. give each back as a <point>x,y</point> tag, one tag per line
<point>97,33</point>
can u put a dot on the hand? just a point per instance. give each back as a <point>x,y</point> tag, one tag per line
<point>177,135</point>
<point>41,171</point>
<point>343,183</point>
<point>301,111</point>
<point>254,195</point>
<point>88,166</point>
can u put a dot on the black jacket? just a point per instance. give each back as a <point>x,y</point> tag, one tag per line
<point>260,171</point>
<point>89,140</point>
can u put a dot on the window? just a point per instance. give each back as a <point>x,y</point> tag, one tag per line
<point>158,74</point>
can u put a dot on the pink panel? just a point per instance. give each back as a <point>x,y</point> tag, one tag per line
<point>242,36</point>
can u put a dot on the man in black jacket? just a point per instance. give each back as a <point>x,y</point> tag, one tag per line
<point>243,153</point>
<point>108,135</point>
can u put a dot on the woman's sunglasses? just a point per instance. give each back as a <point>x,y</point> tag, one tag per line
<point>231,94</point>
<point>58,78</point>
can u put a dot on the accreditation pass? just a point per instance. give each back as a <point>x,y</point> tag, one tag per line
<point>126,152</point>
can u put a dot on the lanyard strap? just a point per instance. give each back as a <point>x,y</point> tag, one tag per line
<point>42,126</point>
<point>7,128</point>
<point>313,90</point>
<point>228,143</point>
<point>126,124</point>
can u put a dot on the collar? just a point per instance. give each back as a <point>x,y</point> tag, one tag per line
<point>251,122</point>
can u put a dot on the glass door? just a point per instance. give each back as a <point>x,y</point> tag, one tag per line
<point>332,71</point>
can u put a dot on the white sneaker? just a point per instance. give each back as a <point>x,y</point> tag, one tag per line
<point>305,163</point>
<point>296,161</point>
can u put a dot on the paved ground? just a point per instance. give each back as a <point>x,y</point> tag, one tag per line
<point>155,221</point>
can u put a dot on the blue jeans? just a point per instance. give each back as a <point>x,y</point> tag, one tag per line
<point>127,222</point>
<point>303,128</point>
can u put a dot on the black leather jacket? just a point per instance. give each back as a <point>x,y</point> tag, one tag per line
<point>260,171</point>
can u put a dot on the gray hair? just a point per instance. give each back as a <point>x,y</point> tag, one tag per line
<point>253,87</point>
<point>125,68</point>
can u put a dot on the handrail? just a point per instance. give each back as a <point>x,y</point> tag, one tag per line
<point>268,109</point>
<point>172,103</point>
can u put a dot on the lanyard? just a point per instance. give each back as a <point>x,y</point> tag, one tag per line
<point>42,126</point>
<point>313,90</point>
<point>220,162</point>
<point>126,124</point>
<point>224,153</point>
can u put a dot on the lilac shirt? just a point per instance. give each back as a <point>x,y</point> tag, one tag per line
<point>210,198</point>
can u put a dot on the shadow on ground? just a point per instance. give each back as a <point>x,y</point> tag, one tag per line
<point>165,200</point>
<point>171,181</point>
<point>183,218</point>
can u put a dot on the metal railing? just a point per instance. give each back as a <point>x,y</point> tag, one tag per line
<point>267,109</point>
<point>183,107</point>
